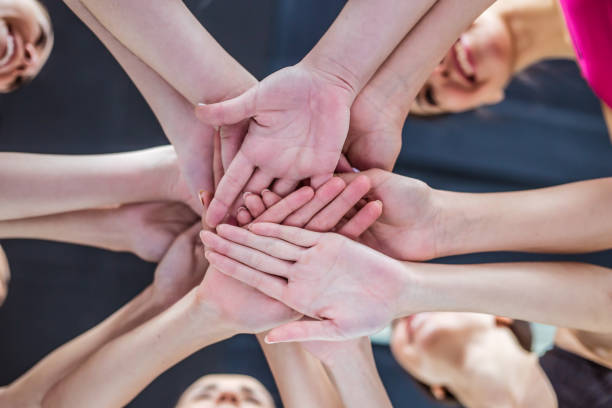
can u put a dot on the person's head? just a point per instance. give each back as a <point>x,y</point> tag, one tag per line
<point>466,356</point>
<point>226,391</point>
<point>474,72</point>
<point>26,39</point>
<point>5,276</point>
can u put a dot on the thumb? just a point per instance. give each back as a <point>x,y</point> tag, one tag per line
<point>305,330</point>
<point>228,112</point>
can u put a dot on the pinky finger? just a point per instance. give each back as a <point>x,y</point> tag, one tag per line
<point>243,216</point>
<point>363,220</point>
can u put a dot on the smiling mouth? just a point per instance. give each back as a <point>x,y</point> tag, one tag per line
<point>463,61</point>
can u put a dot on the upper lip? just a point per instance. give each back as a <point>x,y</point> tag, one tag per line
<point>464,65</point>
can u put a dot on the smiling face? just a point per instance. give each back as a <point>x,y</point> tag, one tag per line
<point>26,40</point>
<point>226,391</point>
<point>474,72</point>
<point>456,352</point>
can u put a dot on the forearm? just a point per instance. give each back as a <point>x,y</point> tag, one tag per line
<point>401,76</point>
<point>125,366</point>
<point>168,38</point>
<point>35,184</point>
<point>356,377</point>
<point>362,37</point>
<point>31,388</point>
<point>563,294</point>
<point>575,217</point>
<point>96,228</point>
<point>301,379</point>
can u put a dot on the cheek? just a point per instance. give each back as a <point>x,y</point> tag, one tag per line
<point>455,99</point>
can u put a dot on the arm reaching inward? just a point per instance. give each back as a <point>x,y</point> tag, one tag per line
<point>179,264</point>
<point>146,229</point>
<point>175,63</point>
<point>354,291</point>
<point>421,223</point>
<point>37,184</point>
<point>378,114</point>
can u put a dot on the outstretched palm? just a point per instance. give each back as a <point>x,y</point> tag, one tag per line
<point>299,123</point>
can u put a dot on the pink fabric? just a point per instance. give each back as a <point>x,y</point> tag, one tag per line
<point>590,25</point>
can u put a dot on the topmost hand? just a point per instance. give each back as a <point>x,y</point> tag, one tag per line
<point>300,119</point>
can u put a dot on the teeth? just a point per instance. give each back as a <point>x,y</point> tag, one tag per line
<point>464,61</point>
<point>10,50</point>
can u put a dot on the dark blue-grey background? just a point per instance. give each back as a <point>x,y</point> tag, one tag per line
<point>548,132</point>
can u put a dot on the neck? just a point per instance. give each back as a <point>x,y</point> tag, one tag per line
<point>538,31</point>
<point>519,383</point>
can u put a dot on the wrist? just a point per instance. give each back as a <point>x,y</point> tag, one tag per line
<point>353,352</point>
<point>335,77</point>
<point>414,292</point>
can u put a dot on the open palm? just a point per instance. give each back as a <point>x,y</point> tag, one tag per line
<point>299,123</point>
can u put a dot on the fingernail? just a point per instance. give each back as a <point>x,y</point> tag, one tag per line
<point>355,170</point>
<point>246,194</point>
<point>265,191</point>
<point>268,341</point>
<point>201,104</point>
<point>379,202</point>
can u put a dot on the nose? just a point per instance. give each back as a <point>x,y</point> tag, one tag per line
<point>30,56</point>
<point>228,398</point>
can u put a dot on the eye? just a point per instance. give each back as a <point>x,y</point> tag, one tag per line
<point>252,400</point>
<point>429,95</point>
<point>41,41</point>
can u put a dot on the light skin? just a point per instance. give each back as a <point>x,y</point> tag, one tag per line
<point>434,223</point>
<point>146,229</point>
<point>350,364</point>
<point>203,316</point>
<point>473,356</point>
<point>305,269</point>
<point>35,184</point>
<point>26,40</point>
<point>506,39</point>
<point>174,276</point>
<point>216,390</point>
<point>327,80</point>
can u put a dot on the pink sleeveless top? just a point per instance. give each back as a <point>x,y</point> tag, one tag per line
<point>590,25</point>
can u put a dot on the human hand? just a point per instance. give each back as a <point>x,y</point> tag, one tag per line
<point>375,132</point>
<point>181,269</point>
<point>408,227</point>
<point>331,208</point>
<point>148,229</point>
<point>353,290</point>
<point>300,121</point>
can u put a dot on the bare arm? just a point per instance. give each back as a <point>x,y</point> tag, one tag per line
<point>351,366</point>
<point>146,230</point>
<point>563,294</point>
<point>30,389</point>
<point>399,79</point>
<point>301,379</point>
<point>36,184</point>
<point>166,36</point>
<point>575,217</point>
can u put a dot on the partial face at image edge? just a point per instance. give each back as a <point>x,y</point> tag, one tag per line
<point>474,72</point>
<point>226,391</point>
<point>26,40</point>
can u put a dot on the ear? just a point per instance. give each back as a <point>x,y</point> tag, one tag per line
<point>438,392</point>
<point>501,321</point>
